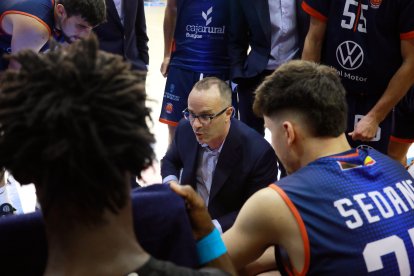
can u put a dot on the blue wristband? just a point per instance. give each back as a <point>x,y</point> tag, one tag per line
<point>210,247</point>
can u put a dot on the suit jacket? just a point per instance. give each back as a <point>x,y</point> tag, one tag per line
<point>246,164</point>
<point>250,26</point>
<point>129,40</point>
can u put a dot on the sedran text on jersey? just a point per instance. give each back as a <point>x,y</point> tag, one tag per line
<point>374,206</point>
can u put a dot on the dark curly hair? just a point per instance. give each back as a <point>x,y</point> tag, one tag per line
<point>93,11</point>
<point>311,89</point>
<point>73,121</point>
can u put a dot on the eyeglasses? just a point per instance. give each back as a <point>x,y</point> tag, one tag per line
<point>204,119</point>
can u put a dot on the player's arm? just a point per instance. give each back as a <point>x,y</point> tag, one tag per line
<point>27,33</point>
<point>202,226</point>
<point>170,19</point>
<point>398,86</point>
<point>314,40</point>
<point>263,221</point>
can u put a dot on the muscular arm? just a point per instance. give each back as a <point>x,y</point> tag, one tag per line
<point>314,40</point>
<point>27,33</point>
<point>201,223</point>
<point>264,220</point>
<point>170,19</point>
<point>398,86</point>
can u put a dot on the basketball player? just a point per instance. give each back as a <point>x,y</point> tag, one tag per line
<point>371,45</point>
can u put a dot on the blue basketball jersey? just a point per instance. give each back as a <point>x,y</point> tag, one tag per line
<point>356,213</point>
<point>200,36</point>
<point>363,39</point>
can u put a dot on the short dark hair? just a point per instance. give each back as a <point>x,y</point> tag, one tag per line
<point>93,11</point>
<point>74,121</point>
<point>308,88</point>
<point>223,87</point>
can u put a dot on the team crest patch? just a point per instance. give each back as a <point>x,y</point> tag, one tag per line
<point>369,161</point>
<point>375,3</point>
<point>169,108</point>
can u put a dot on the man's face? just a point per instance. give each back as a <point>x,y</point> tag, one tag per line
<point>208,102</point>
<point>75,27</point>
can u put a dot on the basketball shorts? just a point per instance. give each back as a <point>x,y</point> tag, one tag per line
<point>403,130</point>
<point>358,106</point>
<point>178,86</point>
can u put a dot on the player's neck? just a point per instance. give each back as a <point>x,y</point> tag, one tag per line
<point>324,146</point>
<point>107,249</point>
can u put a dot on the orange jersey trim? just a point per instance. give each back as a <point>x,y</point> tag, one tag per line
<point>358,16</point>
<point>27,14</point>
<point>314,13</point>
<point>302,228</point>
<point>406,36</point>
<point>171,123</point>
<point>401,140</point>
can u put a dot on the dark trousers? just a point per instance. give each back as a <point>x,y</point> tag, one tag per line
<point>245,91</point>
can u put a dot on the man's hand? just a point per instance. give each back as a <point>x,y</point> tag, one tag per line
<point>365,129</point>
<point>164,66</point>
<point>197,211</point>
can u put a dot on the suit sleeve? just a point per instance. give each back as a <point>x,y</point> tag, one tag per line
<point>141,32</point>
<point>171,163</point>
<point>237,39</point>
<point>264,171</point>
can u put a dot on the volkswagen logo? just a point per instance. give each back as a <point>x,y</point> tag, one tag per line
<point>349,55</point>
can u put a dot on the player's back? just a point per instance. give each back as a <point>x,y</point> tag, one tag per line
<point>358,210</point>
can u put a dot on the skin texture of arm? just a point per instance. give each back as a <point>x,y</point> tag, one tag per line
<point>398,86</point>
<point>201,223</point>
<point>27,33</point>
<point>170,19</point>
<point>314,40</point>
<point>264,220</point>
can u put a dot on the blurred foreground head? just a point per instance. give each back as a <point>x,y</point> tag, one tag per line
<point>74,122</point>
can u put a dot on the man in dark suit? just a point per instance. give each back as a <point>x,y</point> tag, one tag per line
<point>220,157</point>
<point>273,30</point>
<point>125,32</point>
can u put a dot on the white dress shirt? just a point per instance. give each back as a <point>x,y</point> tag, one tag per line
<point>285,41</point>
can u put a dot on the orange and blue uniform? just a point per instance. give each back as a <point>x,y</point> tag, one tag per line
<point>363,43</point>
<point>356,214</point>
<point>41,10</point>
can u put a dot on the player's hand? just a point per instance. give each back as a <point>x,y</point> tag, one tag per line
<point>196,209</point>
<point>164,66</point>
<point>365,129</point>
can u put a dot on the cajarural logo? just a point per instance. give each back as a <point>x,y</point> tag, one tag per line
<point>206,14</point>
<point>197,31</point>
<point>349,55</point>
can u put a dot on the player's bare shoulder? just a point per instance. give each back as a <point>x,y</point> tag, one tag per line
<point>27,31</point>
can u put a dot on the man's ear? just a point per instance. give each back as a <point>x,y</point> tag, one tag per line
<point>290,132</point>
<point>61,10</point>
<point>229,113</point>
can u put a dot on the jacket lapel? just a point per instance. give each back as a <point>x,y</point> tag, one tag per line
<point>227,161</point>
<point>112,12</point>
<point>130,13</point>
